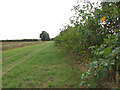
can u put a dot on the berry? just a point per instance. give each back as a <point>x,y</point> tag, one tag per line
<point>81,43</point>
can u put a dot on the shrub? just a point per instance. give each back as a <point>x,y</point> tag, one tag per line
<point>98,30</point>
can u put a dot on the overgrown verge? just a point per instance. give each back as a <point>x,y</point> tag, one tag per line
<point>94,37</point>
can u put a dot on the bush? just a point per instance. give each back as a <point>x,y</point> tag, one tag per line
<point>98,30</point>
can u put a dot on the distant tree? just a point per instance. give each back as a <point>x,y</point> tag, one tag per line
<point>52,39</point>
<point>44,36</point>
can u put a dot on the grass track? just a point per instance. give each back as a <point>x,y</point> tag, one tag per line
<point>38,66</point>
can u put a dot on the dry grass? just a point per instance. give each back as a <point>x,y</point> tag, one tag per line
<point>12,45</point>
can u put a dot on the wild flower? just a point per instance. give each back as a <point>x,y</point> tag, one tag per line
<point>102,19</point>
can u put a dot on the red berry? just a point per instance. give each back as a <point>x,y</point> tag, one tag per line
<point>81,43</point>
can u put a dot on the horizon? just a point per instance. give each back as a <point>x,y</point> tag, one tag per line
<point>26,19</point>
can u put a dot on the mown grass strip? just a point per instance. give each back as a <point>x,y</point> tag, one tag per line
<point>18,45</point>
<point>13,51</point>
<point>46,68</point>
<point>19,58</point>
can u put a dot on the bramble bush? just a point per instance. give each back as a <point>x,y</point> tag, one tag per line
<point>94,36</point>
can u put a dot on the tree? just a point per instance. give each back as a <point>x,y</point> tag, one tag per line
<point>44,36</point>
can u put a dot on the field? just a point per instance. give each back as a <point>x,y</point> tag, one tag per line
<point>38,66</point>
<point>11,45</point>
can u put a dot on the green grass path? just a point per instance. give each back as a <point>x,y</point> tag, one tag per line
<point>38,66</point>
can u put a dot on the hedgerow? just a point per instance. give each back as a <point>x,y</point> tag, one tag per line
<point>94,36</point>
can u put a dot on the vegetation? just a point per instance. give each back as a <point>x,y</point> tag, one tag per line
<point>44,36</point>
<point>93,38</point>
<point>20,40</point>
<point>90,55</point>
<point>38,66</point>
<point>52,39</point>
<point>12,45</point>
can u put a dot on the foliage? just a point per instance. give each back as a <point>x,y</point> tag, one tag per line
<point>44,36</point>
<point>106,63</point>
<point>96,28</point>
<point>52,39</point>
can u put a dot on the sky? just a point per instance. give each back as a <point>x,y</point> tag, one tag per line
<point>26,19</point>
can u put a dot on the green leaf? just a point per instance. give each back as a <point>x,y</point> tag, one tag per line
<point>116,30</point>
<point>91,47</point>
<point>81,83</point>
<point>101,53</point>
<point>117,57</point>
<point>107,51</point>
<point>107,56</point>
<point>100,68</point>
<point>101,59</point>
<point>116,51</point>
<point>105,64</point>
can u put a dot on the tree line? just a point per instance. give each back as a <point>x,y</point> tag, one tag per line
<point>20,40</point>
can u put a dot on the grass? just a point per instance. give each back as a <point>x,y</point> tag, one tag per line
<point>38,66</point>
<point>11,45</point>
